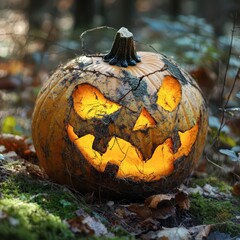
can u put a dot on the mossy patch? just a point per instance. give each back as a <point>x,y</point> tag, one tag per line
<point>21,220</point>
<point>50,197</point>
<point>213,181</point>
<point>33,209</point>
<point>215,211</point>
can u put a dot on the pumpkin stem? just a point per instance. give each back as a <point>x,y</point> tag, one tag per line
<point>123,52</point>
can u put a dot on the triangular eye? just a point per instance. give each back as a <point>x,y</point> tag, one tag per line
<point>144,121</point>
<point>90,103</point>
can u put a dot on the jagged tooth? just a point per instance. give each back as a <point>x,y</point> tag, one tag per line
<point>176,140</point>
<point>101,144</point>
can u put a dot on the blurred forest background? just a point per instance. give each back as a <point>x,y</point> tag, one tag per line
<point>202,36</point>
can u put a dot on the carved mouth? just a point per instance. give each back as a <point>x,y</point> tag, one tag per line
<point>129,159</point>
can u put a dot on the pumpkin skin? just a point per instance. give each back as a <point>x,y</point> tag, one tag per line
<point>131,131</point>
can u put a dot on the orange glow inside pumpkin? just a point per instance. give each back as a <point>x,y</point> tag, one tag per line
<point>144,121</point>
<point>89,103</point>
<point>129,159</point>
<point>169,94</point>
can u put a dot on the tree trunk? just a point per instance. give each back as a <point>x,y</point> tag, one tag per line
<point>121,13</point>
<point>174,8</point>
<point>84,13</point>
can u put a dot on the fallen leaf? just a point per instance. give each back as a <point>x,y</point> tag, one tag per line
<point>236,189</point>
<point>84,224</point>
<point>165,211</point>
<point>16,144</point>
<point>161,206</point>
<point>35,171</point>
<point>122,212</point>
<point>200,232</point>
<point>177,233</point>
<point>153,201</point>
<point>150,224</point>
<point>141,210</point>
<point>182,200</point>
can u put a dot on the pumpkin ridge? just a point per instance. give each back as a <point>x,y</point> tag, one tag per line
<point>42,101</point>
<point>43,96</point>
<point>189,100</point>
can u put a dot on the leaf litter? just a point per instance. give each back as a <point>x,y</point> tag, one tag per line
<point>86,225</point>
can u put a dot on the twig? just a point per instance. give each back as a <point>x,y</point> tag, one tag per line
<point>224,105</point>
<point>91,30</point>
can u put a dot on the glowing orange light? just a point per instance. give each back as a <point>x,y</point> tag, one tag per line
<point>89,103</point>
<point>129,159</point>
<point>169,94</point>
<point>144,121</point>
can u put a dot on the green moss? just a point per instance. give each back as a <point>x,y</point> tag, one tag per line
<point>32,209</point>
<point>214,211</point>
<point>230,227</point>
<point>53,198</point>
<point>21,220</point>
<point>121,234</point>
<point>209,210</point>
<point>213,181</point>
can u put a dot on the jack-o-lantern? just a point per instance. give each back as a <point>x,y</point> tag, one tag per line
<point>120,124</point>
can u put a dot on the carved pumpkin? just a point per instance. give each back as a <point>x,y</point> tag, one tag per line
<point>122,124</point>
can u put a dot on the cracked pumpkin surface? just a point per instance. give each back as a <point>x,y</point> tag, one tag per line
<point>148,120</point>
<point>147,153</point>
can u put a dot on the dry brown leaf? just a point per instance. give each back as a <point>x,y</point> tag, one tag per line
<point>35,171</point>
<point>153,201</point>
<point>141,210</point>
<point>84,224</point>
<point>17,144</point>
<point>121,212</point>
<point>13,142</point>
<point>182,200</point>
<point>164,211</point>
<point>161,206</point>
<point>236,189</point>
<point>150,224</point>
<point>202,231</point>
